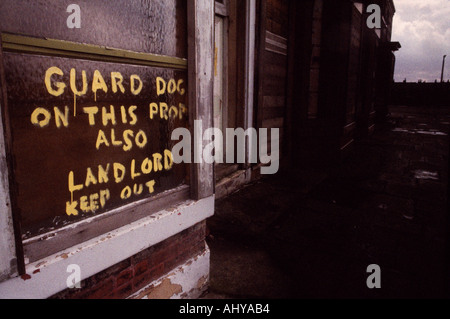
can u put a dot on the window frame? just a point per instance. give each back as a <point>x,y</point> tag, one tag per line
<point>221,11</point>
<point>239,100</point>
<point>16,253</point>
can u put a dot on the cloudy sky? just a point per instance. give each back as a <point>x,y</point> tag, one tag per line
<point>423,29</point>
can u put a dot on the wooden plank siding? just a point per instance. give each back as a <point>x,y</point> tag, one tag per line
<point>353,98</point>
<point>273,66</point>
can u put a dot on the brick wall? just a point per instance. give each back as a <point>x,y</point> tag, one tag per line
<point>136,272</point>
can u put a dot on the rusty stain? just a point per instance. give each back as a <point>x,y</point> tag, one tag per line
<point>36,271</point>
<point>64,256</point>
<point>25,277</point>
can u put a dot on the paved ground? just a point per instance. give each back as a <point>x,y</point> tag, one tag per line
<point>313,234</point>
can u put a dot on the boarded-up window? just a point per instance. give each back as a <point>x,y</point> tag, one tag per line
<point>76,156</point>
<point>89,127</point>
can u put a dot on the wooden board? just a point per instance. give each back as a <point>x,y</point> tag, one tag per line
<point>90,136</point>
<point>148,26</point>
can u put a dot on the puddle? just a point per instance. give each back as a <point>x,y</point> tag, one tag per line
<point>437,133</point>
<point>426,175</point>
<point>408,217</point>
<point>402,130</point>
<point>422,132</point>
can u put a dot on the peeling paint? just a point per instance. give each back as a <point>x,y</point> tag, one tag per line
<point>25,277</point>
<point>189,280</point>
<point>144,292</point>
<point>165,290</point>
<point>202,282</point>
<point>172,208</point>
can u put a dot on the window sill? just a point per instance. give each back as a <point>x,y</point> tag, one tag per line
<point>48,276</point>
<point>44,245</point>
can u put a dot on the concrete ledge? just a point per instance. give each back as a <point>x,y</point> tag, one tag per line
<point>48,276</point>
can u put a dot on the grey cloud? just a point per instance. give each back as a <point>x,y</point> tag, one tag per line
<point>424,32</point>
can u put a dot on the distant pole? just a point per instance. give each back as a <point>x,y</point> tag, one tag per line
<point>443,67</point>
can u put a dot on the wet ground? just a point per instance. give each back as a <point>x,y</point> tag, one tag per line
<point>312,234</point>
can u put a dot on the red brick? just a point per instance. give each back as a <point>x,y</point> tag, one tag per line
<point>157,271</point>
<point>124,291</point>
<point>103,290</point>
<point>124,277</point>
<point>141,268</point>
<point>164,254</point>
<point>194,235</point>
<point>113,271</point>
<point>141,281</point>
<point>147,277</point>
<point>145,254</point>
<point>185,253</point>
<point>69,294</point>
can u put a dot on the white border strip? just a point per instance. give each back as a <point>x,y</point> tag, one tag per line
<point>250,39</point>
<point>8,261</point>
<point>49,276</point>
